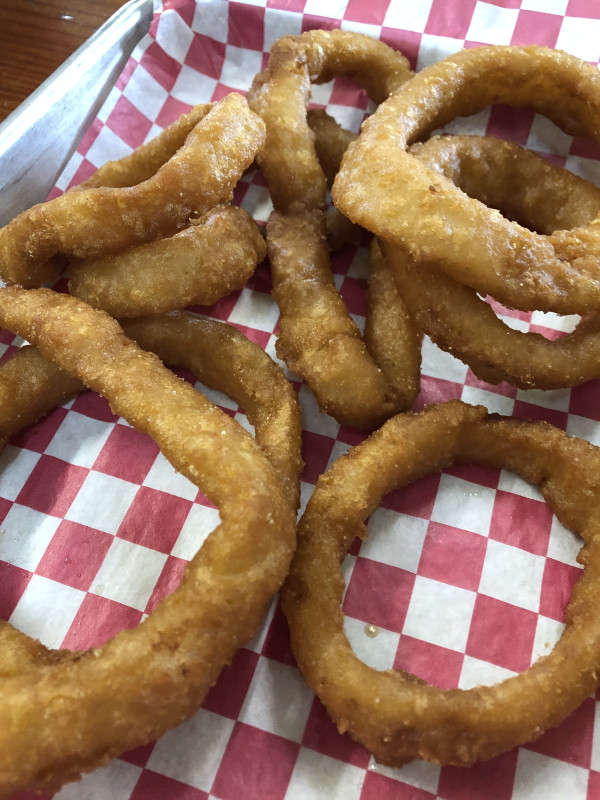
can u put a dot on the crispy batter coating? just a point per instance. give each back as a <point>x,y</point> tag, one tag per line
<point>521,184</point>
<point>21,653</point>
<point>391,333</point>
<point>391,714</point>
<point>148,158</point>
<point>62,717</point>
<point>524,186</point>
<point>280,95</point>
<point>30,386</point>
<point>211,258</point>
<point>223,358</point>
<point>104,220</point>
<point>317,339</point>
<point>331,141</point>
<point>385,189</point>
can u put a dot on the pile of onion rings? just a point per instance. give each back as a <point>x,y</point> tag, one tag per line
<point>441,240</point>
<point>432,209</point>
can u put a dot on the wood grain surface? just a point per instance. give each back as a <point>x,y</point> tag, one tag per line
<point>36,36</point>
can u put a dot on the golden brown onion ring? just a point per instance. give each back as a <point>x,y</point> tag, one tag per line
<point>62,718</point>
<point>317,337</point>
<point>219,356</point>
<point>396,718</point>
<point>211,258</point>
<point>101,221</point>
<point>280,95</point>
<point>463,324</point>
<point>523,185</point>
<point>542,196</point>
<point>385,189</point>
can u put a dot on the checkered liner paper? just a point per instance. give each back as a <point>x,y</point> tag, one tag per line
<point>464,576</point>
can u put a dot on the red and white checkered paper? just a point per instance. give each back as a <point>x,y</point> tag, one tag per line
<point>464,577</point>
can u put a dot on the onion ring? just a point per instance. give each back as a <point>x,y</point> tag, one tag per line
<point>522,184</point>
<point>434,221</point>
<point>317,337</point>
<point>200,175</point>
<point>391,714</point>
<point>219,356</point>
<point>525,186</point>
<point>62,718</point>
<point>211,258</point>
<point>460,322</point>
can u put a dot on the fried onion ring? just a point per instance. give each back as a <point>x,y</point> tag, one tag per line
<point>391,714</point>
<point>463,324</point>
<point>60,718</point>
<point>102,221</point>
<point>434,221</point>
<point>542,196</point>
<point>522,184</point>
<point>317,337</point>
<point>211,258</point>
<point>524,187</point>
<point>219,356</point>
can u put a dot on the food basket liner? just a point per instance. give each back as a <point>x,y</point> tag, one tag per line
<point>464,577</point>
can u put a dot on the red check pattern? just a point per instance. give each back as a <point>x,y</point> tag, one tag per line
<point>464,577</point>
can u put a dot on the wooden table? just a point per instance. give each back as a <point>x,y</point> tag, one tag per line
<point>36,36</point>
